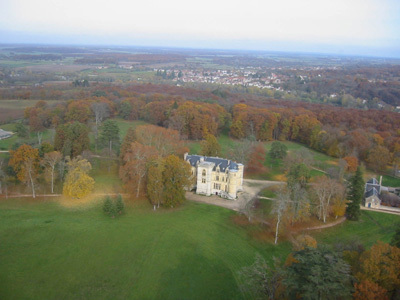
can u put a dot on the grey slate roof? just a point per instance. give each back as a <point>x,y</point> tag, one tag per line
<point>372,192</point>
<point>221,162</point>
<point>373,181</point>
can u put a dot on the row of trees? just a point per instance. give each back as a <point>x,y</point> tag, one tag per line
<point>323,198</point>
<point>28,166</point>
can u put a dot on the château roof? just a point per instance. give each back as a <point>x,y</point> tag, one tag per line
<point>221,162</point>
<point>371,192</point>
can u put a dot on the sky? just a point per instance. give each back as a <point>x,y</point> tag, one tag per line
<point>357,27</point>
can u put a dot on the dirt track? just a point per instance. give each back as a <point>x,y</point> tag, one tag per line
<point>251,189</point>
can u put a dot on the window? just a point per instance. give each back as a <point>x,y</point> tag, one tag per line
<point>203,180</point>
<point>217,178</point>
<point>203,173</point>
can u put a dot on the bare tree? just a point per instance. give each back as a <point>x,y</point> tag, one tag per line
<point>100,111</point>
<point>241,151</point>
<point>49,162</point>
<point>300,203</point>
<point>280,207</point>
<point>325,189</point>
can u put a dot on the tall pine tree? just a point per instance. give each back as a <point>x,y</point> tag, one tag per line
<point>355,195</point>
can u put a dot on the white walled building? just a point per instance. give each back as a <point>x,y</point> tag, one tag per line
<point>216,176</point>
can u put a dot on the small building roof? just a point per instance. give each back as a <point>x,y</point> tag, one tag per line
<point>372,192</point>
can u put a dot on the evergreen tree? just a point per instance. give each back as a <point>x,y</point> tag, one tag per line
<point>355,195</point>
<point>317,274</point>
<point>108,206</point>
<point>119,204</point>
<point>109,135</point>
<point>21,130</point>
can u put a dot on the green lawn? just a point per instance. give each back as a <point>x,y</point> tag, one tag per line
<point>51,252</point>
<point>6,144</point>
<point>390,181</point>
<point>373,226</point>
<point>194,252</point>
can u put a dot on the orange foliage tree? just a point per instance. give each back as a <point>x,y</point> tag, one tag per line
<point>381,265</point>
<point>25,162</point>
<point>368,290</point>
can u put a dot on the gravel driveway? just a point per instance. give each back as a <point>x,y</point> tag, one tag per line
<point>251,188</point>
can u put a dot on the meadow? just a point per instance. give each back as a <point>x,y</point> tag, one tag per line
<point>49,251</point>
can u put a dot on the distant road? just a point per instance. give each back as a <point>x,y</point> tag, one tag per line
<point>4,151</point>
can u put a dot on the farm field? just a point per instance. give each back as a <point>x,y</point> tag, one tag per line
<point>49,251</point>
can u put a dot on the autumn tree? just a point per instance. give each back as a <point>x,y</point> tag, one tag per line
<point>155,182</point>
<point>368,290</point>
<point>25,162</point>
<point>355,195</point>
<point>381,265</point>
<point>176,177</point>
<point>77,182</point>
<point>78,111</point>
<point>128,139</point>
<point>256,160</point>
<point>109,135</point>
<point>352,163</point>
<point>49,162</point>
<point>166,141</point>
<point>133,170</point>
<point>378,158</point>
<point>71,139</point>
<point>210,146</point>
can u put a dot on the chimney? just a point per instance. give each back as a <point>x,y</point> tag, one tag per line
<point>185,155</point>
<point>380,180</point>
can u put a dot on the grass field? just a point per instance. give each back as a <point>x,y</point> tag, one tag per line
<point>51,252</point>
<point>48,251</point>
<point>373,226</point>
<point>390,181</point>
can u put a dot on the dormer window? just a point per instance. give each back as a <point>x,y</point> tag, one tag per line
<point>203,173</point>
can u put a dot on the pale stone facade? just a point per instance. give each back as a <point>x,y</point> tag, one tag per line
<point>216,176</point>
